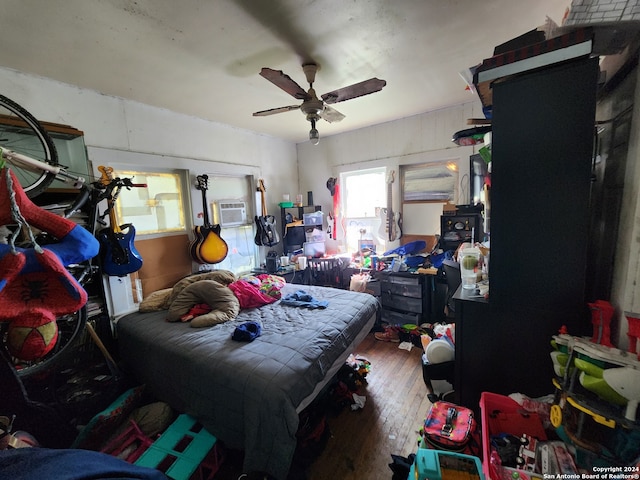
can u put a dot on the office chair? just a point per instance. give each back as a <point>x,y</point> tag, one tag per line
<point>325,272</point>
<point>451,270</point>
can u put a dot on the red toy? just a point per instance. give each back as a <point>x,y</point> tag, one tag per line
<point>601,314</point>
<point>35,286</point>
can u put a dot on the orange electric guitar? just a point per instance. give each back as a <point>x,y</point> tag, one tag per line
<point>208,246</point>
<point>118,253</point>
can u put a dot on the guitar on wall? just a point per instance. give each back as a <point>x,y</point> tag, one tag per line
<point>391,222</point>
<point>118,252</point>
<point>332,218</point>
<point>207,246</point>
<point>266,234</point>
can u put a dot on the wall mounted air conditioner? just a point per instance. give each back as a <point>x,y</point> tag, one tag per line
<point>232,212</point>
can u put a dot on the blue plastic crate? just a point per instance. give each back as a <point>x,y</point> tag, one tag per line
<point>438,464</point>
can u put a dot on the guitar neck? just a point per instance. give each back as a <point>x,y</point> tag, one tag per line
<point>113,218</point>
<point>263,202</point>
<point>205,209</point>
<point>389,203</point>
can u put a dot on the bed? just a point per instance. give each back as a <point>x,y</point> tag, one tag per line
<point>249,394</point>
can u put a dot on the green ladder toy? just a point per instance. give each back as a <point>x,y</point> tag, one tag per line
<point>182,449</point>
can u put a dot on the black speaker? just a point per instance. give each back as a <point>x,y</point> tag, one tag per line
<point>273,261</point>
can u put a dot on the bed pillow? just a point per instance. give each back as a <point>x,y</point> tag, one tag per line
<point>224,304</point>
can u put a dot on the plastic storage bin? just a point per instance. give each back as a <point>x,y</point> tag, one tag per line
<point>314,218</point>
<point>501,414</point>
<point>437,465</point>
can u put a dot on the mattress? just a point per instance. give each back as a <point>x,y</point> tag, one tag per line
<point>249,394</point>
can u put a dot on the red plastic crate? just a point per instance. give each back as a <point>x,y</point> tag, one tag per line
<point>501,414</point>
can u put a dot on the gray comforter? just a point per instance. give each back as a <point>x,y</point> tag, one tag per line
<point>248,394</point>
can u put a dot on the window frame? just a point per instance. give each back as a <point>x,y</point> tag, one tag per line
<point>184,203</point>
<point>352,226</point>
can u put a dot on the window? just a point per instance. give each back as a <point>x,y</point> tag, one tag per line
<point>363,195</point>
<point>156,208</point>
<point>160,208</point>
<point>234,194</point>
<point>241,257</point>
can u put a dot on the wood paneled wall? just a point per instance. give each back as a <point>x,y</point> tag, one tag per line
<point>166,260</point>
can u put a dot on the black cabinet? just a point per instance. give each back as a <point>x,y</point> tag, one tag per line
<point>543,124</point>
<point>406,297</point>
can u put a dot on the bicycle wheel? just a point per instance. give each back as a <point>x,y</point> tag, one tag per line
<point>21,132</point>
<point>69,328</point>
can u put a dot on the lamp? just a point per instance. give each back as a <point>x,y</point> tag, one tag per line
<point>314,136</point>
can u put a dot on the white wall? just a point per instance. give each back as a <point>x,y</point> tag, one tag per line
<point>419,139</point>
<point>122,131</point>
<point>625,294</point>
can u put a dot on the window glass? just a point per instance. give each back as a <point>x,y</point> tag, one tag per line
<point>363,196</point>
<point>241,257</point>
<point>156,208</point>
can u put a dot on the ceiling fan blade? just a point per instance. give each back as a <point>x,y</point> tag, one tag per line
<point>272,111</point>
<point>356,90</point>
<point>331,115</point>
<point>284,81</point>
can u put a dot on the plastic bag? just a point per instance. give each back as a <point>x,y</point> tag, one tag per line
<point>359,282</point>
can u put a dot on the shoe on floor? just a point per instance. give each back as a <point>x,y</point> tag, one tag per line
<point>388,335</point>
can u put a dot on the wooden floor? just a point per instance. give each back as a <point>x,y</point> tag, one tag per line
<point>362,441</point>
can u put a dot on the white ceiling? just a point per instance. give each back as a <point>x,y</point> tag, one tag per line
<point>202,57</point>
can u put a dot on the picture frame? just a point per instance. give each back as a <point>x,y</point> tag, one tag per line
<point>429,182</point>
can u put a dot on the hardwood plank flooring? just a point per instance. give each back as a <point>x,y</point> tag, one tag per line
<point>363,440</point>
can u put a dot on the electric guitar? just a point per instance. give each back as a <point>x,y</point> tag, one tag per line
<point>391,223</point>
<point>207,246</point>
<point>118,252</point>
<point>266,234</point>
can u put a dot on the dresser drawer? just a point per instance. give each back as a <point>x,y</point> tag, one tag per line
<point>398,318</point>
<point>399,302</point>
<point>408,287</point>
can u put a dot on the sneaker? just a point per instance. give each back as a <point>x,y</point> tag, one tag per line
<point>389,335</point>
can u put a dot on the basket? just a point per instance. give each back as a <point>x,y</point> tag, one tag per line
<point>503,415</point>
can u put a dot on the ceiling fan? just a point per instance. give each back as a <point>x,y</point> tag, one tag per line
<point>313,107</point>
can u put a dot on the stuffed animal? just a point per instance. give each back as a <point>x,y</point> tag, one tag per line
<point>35,286</point>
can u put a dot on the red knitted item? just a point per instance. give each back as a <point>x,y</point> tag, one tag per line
<point>35,287</point>
<point>36,216</point>
<point>43,290</point>
<point>33,334</point>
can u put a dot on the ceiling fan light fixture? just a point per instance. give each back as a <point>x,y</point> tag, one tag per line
<point>314,135</point>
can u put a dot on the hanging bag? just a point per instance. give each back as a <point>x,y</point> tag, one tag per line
<point>448,426</point>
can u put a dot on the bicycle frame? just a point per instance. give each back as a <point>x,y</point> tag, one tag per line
<point>36,165</point>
